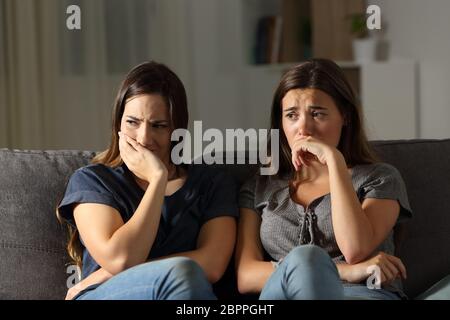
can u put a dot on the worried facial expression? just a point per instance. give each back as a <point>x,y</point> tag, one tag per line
<point>311,112</point>
<point>146,119</point>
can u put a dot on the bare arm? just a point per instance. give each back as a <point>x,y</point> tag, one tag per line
<point>390,268</point>
<point>215,246</point>
<point>251,269</point>
<point>116,246</point>
<point>359,228</point>
<point>216,236</point>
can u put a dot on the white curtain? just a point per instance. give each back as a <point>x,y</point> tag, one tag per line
<point>22,98</point>
<point>57,86</point>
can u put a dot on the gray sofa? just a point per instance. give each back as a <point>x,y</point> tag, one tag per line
<point>33,261</point>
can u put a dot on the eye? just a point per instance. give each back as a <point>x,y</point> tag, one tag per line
<point>318,114</point>
<point>131,122</point>
<point>159,126</point>
<point>291,116</point>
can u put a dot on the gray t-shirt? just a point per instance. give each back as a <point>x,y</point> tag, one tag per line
<point>286,224</point>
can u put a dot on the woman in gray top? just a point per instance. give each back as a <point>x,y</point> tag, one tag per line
<point>322,227</point>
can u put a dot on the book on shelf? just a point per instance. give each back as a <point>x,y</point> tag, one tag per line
<point>268,40</point>
<point>301,29</point>
<point>284,37</point>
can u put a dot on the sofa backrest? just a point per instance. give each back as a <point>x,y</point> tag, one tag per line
<point>32,243</point>
<point>425,168</point>
<point>33,260</point>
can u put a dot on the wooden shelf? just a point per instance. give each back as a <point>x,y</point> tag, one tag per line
<point>280,67</point>
<point>292,30</point>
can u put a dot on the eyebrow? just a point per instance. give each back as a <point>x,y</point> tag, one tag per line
<point>151,121</point>
<point>309,107</point>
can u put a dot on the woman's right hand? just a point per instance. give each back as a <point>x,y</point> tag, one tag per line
<point>141,161</point>
<point>99,276</point>
<point>390,268</point>
<point>73,291</point>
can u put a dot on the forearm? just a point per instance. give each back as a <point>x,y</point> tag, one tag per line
<point>352,273</point>
<point>252,276</point>
<point>343,270</point>
<point>215,245</point>
<point>213,257</point>
<point>99,276</point>
<point>352,228</point>
<point>132,242</point>
<point>212,267</point>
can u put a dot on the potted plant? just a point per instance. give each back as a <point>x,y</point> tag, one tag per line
<point>364,46</point>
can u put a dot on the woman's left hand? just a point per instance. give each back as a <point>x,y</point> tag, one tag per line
<point>309,149</point>
<point>389,268</point>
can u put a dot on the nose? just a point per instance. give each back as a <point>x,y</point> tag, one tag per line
<point>145,136</point>
<point>305,125</point>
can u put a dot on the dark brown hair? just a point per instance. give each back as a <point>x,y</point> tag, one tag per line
<point>146,78</point>
<point>326,76</point>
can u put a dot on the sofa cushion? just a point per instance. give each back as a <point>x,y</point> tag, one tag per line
<point>32,243</point>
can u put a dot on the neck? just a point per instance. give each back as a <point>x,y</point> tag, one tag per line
<point>173,173</point>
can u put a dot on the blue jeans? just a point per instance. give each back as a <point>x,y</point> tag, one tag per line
<point>308,273</point>
<point>362,292</point>
<point>177,278</point>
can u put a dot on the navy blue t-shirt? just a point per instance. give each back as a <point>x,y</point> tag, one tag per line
<point>207,193</point>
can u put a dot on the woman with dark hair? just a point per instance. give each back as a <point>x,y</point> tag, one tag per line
<point>322,227</point>
<point>142,227</point>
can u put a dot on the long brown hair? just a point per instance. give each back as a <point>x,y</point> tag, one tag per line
<point>146,78</point>
<point>324,75</point>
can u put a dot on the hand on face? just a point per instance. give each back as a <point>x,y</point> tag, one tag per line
<point>141,161</point>
<point>305,150</point>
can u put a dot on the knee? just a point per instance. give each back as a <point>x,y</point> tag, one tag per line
<point>186,269</point>
<point>311,269</point>
<point>308,255</point>
<point>187,275</point>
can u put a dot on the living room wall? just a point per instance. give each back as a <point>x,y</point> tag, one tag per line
<point>418,30</point>
<point>204,41</point>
